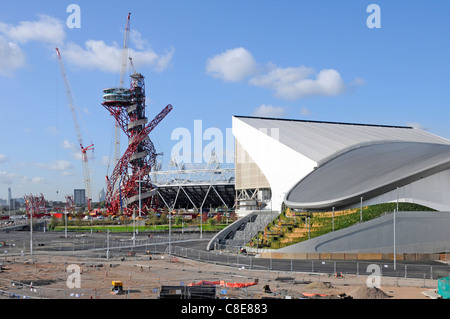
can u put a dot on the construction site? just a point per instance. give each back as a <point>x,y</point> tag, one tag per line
<point>153,268</point>
<point>186,263</point>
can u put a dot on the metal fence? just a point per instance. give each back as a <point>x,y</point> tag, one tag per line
<point>17,290</point>
<point>391,269</point>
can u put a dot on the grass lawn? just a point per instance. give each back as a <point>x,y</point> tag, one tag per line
<point>129,228</point>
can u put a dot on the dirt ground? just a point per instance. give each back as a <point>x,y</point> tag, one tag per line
<point>143,276</point>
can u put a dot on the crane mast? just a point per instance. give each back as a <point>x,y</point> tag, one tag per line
<point>71,102</point>
<point>126,36</point>
<point>123,71</point>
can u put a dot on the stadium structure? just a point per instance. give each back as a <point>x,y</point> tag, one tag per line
<point>195,188</point>
<point>316,166</point>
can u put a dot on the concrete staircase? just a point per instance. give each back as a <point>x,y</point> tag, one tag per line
<point>242,231</point>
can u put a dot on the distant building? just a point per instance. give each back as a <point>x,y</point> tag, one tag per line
<point>9,197</point>
<point>79,197</point>
<point>101,195</point>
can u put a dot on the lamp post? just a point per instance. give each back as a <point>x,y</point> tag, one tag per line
<point>134,226</point>
<point>139,197</point>
<point>360,211</point>
<point>170,234</point>
<point>395,257</point>
<point>31,234</point>
<point>333,219</point>
<point>107,244</point>
<point>65,224</point>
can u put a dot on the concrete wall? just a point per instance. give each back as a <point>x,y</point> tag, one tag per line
<point>415,232</point>
<point>354,256</point>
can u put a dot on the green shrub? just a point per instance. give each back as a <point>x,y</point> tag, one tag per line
<point>326,223</point>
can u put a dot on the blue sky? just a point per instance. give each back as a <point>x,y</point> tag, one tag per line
<point>315,60</point>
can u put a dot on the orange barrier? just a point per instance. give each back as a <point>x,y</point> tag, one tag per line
<point>222,283</point>
<point>306,294</point>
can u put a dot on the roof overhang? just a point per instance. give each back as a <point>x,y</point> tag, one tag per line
<point>367,171</point>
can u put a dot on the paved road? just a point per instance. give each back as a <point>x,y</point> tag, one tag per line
<point>189,245</point>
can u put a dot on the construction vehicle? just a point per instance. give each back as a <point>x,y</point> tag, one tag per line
<point>117,287</point>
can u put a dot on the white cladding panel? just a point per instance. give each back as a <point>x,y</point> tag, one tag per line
<point>275,160</point>
<point>288,150</point>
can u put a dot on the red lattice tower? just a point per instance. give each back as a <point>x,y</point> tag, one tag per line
<point>35,205</point>
<point>130,181</point>
<point>70,204</point>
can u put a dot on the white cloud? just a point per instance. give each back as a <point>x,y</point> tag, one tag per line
<point>417,125</point>
<point>98,55</point>
<point>3,158</point>
<point>8,178</point>
<point>304,111</point>
<point>164,61</point>
<point>106,160</point>
<point>46,30</point>
<point>289,83</point>
<point>269,111</point>
<point>13,178</point>
<point>233,65</point>
<point>358,81</point>
<point>136,38</point>
<point>11,57</point>
<point>294,83</point>
<point>95,54</point>
<point>57,165</point>
<point>37,180</point>
<point>76,151</point>
<point>52,130</point>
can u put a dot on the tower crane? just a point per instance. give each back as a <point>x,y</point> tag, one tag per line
<point>123,70</point>
<point>71,102</point>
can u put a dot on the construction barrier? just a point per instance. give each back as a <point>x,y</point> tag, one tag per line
<point>222,283</point>
<point>444,287</point>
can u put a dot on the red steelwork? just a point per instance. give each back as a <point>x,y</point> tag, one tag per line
<point>70,205</point>
<point>130,181</point>
<point>129,187</point>
<point>35,205</point>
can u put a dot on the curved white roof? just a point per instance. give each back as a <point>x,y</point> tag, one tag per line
<point>368,171</point>
<point>319,140</point>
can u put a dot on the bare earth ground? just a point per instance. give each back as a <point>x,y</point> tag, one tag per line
<point>142,277</point>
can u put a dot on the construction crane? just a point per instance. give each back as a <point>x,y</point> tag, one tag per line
<point>123,70</point>
<point>71,102</point>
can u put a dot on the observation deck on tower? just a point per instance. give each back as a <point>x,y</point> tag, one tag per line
<point>115,95</point>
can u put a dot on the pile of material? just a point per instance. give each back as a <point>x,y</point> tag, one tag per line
<point>365,292</point>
